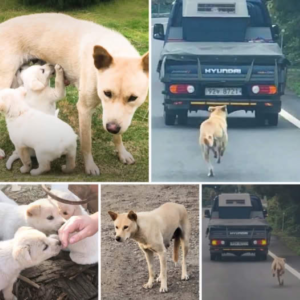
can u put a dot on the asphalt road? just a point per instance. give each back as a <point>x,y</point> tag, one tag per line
<point>254,154</point>
<point>245,278</point>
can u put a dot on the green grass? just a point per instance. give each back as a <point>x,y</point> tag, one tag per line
<point>292,242</point>
<point>293,82</point>
<point>130,17</point>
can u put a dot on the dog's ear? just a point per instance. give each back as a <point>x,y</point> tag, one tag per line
<point>113,215</point>
<point>145,62</point>
<point>33,210</point>
<point>36,85</point>
<point>211,109</point>
<point>132,216</point>
<point>21,254</point>
<point>102,59</point>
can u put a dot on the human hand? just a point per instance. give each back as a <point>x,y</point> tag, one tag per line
<point>82,226</point>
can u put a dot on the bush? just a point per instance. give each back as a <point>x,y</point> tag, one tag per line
<point>63,4</point>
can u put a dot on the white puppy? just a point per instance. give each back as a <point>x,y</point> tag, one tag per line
<point>29,248</point>
<point>28,128</point>
<point>84,252</point>
<point>36,80</point>
<point>41,214</point>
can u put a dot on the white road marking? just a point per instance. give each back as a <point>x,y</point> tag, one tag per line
<point>288,267</point>
<point>290,118</point>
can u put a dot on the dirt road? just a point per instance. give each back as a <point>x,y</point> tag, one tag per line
<point>124,268</point>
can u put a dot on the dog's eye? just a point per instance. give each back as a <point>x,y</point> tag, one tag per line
<point>65,213</point>
<point>46,247</point>
<point>117,227</point>
<point>43,71</point>
<point>50,218</point>
<point>132,98</point>
<point>125,227</point>
<point>107,94</point>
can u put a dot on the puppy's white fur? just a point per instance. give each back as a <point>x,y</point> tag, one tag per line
<point>40,96</point>
<point>26,250</point>
<point>28,128</point>
<point>84,252</point>
<point>40,214</point>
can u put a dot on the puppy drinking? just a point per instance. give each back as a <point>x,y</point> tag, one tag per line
<point>41,214</point>
<point>278,269</point>
<point>47,135</point>
<point>40,96</point>
<point>213,135</point>
<point>28,248</point>
<point>84,252</point>
<point>153,231</point>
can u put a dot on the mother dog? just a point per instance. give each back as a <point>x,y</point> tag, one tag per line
<point>100,62</point>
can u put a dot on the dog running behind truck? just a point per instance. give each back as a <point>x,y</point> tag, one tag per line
<point>278,268</point>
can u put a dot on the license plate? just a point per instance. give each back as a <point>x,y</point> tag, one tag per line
<point>239,243</point>
<point>223,91</point>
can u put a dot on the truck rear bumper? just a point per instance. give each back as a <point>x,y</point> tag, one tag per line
<point>236,250</point>
<point>261,105</point>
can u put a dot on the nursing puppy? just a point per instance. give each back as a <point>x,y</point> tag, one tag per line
<point>278,269</point>
<point>28,128</point>
<point>28,248</point>
<point>40,96</point>
<point>100,62</point>
<point>213,135</point>
<point>153,231</point>
<point>40,214</point>
<point>84,252</point>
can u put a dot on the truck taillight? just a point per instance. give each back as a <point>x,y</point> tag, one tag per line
<point>260,242</point>
<point>217,242</point>
<point>264,89</point>
<point>182,89</point>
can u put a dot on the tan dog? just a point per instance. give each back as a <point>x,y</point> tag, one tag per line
<point>213,135</point>
<point>278,268</point>
<point>153,231</point>
<point>100,62</point>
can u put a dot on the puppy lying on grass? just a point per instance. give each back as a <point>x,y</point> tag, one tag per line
<point>47,135</point>
<point>40,96</point>
<point>29,248</point>
<point>278,268</point>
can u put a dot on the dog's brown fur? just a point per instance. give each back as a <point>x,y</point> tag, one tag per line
<point>278,268</point>
<point>213,135</point>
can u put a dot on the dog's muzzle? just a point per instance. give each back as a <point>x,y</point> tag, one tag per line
<point>118,239</point>
<point>113,127</point>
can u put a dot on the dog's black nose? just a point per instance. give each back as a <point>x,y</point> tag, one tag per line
<point>118,239</point>
<point>113,127</point>
<point>59,243</point>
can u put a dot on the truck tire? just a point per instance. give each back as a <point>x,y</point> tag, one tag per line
<point>213,256</point>
<point>272,119</point>
<point>182,118</point>
<point>261,256</point>
<point>169,117</point>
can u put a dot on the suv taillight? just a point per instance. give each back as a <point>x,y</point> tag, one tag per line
<point>260,242</point>
<point>182,89</point>
<point>217,242</point>
<point>264,89</point>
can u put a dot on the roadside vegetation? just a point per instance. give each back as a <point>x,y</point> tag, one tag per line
<point>131,19</point>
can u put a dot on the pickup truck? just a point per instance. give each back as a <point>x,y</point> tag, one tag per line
<point>221,52</point>
<point>237,225</point>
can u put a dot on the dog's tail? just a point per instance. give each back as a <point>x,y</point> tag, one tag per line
<point>176,237</point>
<point>209,140</point>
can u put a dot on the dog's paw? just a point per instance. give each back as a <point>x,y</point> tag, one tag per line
<point>158,279</point>
<point>35,172</point>
<point>185,277</point>
<point>91,169</point>
<point>163,289</point>
<point>210,173</point>
<point>148,285</point>
<point>126,158</point>
<point>25,169</point>
<point>2,154</point>
<point>58,69</point>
